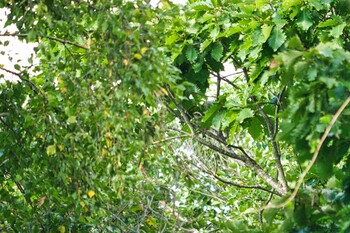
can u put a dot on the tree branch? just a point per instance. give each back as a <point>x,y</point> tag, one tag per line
<point>19,75</point>
<point>244,186</point>
<point>218,85</point>
<point>51,38</point>
<point>274,148</point>
<point>248,161</point>
<point>171,138</point>
<point>314,157</point>
<point>11,72</point>
<point>278,105</point>
<point>181,109</point>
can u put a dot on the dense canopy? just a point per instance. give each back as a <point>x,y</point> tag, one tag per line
<point>216,116</point>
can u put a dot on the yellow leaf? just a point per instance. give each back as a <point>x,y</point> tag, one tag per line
<point>104,152</point>
<point>59,81</point>
<point>63,90</point>
<point>108,142</point>
<point>146,112</point>
<point>106,113</point>
<point>61,229</point>
<point>137,11</point>
<point>51,150</point>
<point>125,62</point>
<point>91,193</point>
<point>61,147</point>
<point>150,221</point>
<point>144,50</point>
<point>82,204</point>
<point>110,73</point>
<point>138,56</point>
<point>41,201</point>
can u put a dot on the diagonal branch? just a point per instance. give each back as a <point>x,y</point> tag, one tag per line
<point>181,109</point>
<point>51,38</point>
<point>19,75</point>
<point>171,138</point>
<point>244,186</point>
<point>10,72</point>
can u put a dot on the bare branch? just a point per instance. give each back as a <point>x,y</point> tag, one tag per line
<point>229,82</point>
<point>218,85</point>
<point>171,138</point>
<point>19,75</point>
<point>220,150</point>
<point>51,38</point>
<point>278,105</point>
<point>274,147</point>
<point>181,109</point>
<point>4,114</point>
<point>10,71</point>
<point>244,186</point>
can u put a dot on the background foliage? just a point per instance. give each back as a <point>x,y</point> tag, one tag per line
<point>127,124</point>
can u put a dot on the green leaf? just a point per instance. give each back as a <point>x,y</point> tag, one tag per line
<point>211,112</point>
<point>260,3</point>
<point>217,50</point>
<point>304,20</point>
<point>31,36</point>
<point>328,23</point>
<point>329,81</point>
<point>266,31</point>
<point>233,29</point>
<point>288,58</point>
<point>295,43</point>
<point>206,17</point>
<point>277,38</point>
<point>214,33</point>
<point>191,53</point>
<point>326,49</point>
<point>205,44</point>
<point>17,67</point>
<point>255,128</point>
<point>287,4</point>
<point>244,114</point>
<point>171,39</point>
<point>337,31</point>
<point>202,6</point>
<point>72,120</point>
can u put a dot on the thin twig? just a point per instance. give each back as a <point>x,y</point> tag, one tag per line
<point>171,138</point>
<point>19,75</point>
<point>229,82</point>
<point>218,85</point>
<point>51,38</point>
<point>235,73</point>
<point>181,109</point>
<point>4,114</point>
<point>10,71</point>
<point>314,157</point>
<point>245,186</point>
<point>274,148</point>
<point>278,105</point>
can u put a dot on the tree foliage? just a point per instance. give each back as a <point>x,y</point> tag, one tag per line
<point>127,123</point>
